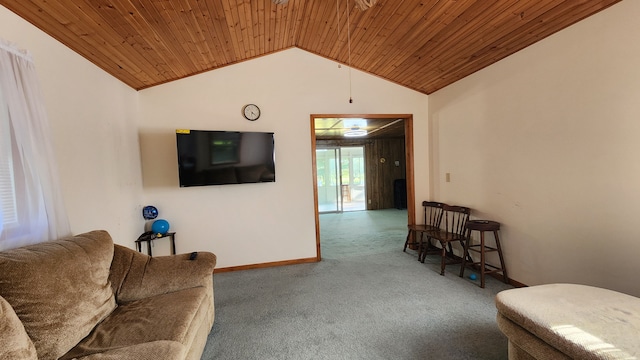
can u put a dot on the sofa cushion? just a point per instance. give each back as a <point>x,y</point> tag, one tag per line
<point>161,349</point>
<point>59,289</point>
<point>174,316</point>
<point>14,342</point>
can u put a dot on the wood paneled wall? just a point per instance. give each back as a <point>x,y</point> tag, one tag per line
<point>380,175</point>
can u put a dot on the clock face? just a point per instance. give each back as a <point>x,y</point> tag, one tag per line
<point>251,112</point>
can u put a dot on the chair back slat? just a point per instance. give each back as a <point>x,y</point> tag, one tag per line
<point>433,212</point>
<point>456,218</point>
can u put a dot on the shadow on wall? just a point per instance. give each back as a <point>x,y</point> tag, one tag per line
<point>159,158</point>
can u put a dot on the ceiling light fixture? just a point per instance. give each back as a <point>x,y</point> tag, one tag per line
<point>365,4</point>
<point>280,2</point>
<point>355,132</point>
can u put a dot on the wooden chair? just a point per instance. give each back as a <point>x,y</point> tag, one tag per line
<point>431,222</point>
<point>455,220</point>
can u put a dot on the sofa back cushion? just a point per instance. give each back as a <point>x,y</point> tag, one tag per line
<point>59,289</point>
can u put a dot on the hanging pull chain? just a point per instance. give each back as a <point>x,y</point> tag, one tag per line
<point>338,25</point>
<point>349,45</point>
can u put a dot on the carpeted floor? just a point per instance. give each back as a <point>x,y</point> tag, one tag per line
<point>366,300</point>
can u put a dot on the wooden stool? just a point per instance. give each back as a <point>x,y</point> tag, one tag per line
<point>482,226</point>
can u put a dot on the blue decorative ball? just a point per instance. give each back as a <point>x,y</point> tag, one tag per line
<point>472,276</point>
<point>160,226</point>
<point>149,212</point>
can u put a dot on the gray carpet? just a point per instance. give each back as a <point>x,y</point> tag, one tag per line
<point>366,300</point>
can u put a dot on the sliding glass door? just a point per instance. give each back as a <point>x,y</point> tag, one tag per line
<point>341,179</point>
<point>329,199</point>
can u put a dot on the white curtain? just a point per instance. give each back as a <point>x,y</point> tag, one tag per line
<point>32,206</point>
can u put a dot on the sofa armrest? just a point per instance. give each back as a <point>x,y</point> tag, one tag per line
<point>135,276</point>
<point>14,341</point>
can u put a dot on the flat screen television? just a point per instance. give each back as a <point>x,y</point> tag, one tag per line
<point>207,157</point>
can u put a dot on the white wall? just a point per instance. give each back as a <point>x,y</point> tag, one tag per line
<point>259,223</point>
<point>93,119</point>
<point>546,142</point>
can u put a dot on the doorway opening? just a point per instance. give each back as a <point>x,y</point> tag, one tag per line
<point>387,157</point>
<point>341,179</point>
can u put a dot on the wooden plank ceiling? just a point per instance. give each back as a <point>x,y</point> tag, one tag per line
<point>358,128</point>
<point>424,45</point>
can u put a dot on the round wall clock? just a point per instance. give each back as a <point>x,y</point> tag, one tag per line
<point>251,112</point>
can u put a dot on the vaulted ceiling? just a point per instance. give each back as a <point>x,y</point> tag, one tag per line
<point>424,45</point>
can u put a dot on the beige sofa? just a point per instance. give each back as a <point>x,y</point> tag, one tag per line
<point>569,321</point>
<point>85,298</point>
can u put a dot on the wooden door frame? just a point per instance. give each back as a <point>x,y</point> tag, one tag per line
<point>409,158</point>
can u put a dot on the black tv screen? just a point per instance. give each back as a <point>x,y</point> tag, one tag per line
<point>207,157</point>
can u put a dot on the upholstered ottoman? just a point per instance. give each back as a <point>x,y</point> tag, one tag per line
<point>569,321</point>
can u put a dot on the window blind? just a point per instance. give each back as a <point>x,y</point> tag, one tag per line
<point>9,214</point>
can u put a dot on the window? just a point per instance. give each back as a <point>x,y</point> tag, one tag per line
<point>31,207</point>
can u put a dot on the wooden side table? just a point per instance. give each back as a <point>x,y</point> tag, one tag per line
<point>148,238</point>
<point>482,226</point>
